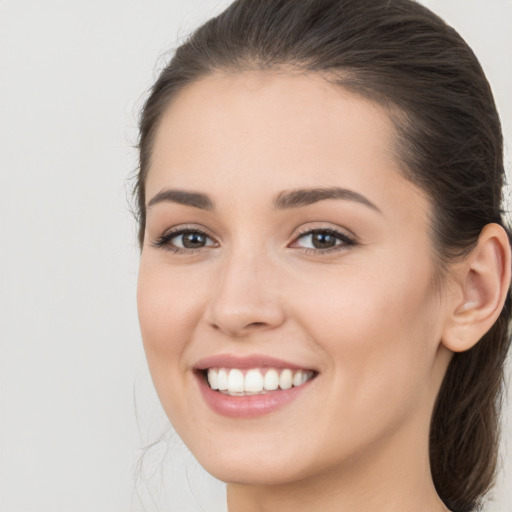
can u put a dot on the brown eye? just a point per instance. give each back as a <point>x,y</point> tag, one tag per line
<point>192,240</point>
<point>185,240</point>
<point>323,240</point>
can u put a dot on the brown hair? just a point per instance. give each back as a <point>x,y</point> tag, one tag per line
<point>401,55</point>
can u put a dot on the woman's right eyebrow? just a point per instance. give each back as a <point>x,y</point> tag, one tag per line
<point>194,199</point>
<point>298,198</point>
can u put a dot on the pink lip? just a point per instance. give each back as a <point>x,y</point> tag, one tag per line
<point>252,405</point>
<point>248,406</point>
<point>245,362</point>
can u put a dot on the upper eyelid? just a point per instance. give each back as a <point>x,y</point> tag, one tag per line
<point>322,230</point>
<point>178,230</point>
<point>298,232</point>
<point>341,231</point>
<point>344,239</point>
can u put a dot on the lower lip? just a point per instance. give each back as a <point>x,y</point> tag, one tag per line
<point>249,406</point>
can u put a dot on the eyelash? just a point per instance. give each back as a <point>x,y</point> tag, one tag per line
<point>164,241</point>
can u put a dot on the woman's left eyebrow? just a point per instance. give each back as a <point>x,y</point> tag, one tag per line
<point>306,196</point>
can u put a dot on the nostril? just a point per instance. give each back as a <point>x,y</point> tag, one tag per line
<point>240,320</point>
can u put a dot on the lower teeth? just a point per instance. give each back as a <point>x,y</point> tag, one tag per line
<point>243,393</point>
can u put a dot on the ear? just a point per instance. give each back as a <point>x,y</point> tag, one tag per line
<point>482,281</point>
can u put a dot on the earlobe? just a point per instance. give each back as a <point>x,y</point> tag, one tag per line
<point>482,282</point>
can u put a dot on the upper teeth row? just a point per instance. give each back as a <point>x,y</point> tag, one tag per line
<point>233,381</point>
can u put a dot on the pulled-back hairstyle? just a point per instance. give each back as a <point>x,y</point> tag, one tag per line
<point>402,56</point>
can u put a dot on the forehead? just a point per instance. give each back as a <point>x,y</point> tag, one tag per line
<point>270,130</point>
<point>276,110</point>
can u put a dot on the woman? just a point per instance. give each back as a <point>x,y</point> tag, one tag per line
<point>324,278</point>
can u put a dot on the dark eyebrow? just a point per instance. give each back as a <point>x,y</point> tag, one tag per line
<point>305,197</point>
<point>194,199</point>
<point>285,200</point>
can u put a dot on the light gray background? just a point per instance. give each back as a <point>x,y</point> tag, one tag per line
<point>72,78</point>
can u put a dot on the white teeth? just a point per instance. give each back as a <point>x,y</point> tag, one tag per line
<point>213,380</point>
<point>222,381</point>
<point>271,381</point>
<point>236,381</point>
<point>255,381</point>
<point>285,379</point>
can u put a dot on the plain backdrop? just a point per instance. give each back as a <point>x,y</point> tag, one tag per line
<point>77,404</point>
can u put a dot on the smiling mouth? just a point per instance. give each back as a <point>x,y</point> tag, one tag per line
<point>255,381</point>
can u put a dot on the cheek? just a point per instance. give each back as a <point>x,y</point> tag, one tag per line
<point>166,302</point>
<point>378,332</point>
<point>365,307</point>
<point>167,307</point>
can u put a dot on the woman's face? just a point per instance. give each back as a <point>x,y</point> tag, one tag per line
<point>281,237</point>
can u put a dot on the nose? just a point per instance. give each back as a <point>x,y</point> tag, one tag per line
<point>245,297</point>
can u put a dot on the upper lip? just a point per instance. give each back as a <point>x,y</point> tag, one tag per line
<point>246,362</point>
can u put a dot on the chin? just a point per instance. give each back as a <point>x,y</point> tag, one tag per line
<point>251,461</point>
<point>248,473</point>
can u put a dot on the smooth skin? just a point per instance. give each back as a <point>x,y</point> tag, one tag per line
<point>365,312</point>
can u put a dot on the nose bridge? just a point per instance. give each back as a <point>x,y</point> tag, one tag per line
<point>246,293</point>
